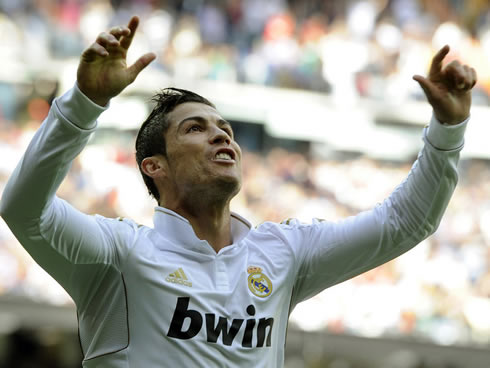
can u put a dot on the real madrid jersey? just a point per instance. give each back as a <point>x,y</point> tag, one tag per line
<point>161,297</point>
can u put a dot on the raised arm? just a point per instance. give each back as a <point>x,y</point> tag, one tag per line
<point>329,253</point>
<point>55,234</point>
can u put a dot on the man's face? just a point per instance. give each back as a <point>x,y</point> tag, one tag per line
<point>201,150</point>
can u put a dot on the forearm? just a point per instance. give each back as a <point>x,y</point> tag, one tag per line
<point>418,204</point>
<point>58,141</point>
<point>341,250</point>
<point>415,208</point>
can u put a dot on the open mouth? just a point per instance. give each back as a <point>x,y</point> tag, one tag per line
<point>224,154</point>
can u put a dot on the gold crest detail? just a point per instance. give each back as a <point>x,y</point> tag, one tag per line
<point>258,282</point>
<point>253,269</point>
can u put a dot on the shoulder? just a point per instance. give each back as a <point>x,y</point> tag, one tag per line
<point>289,224</point>
<point>120,227</point>
<point>295,233</point>
<point>118,222</point>
<point>126,234</point>
<point>285,231</point>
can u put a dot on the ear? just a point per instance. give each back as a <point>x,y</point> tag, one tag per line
<point>155,166</point>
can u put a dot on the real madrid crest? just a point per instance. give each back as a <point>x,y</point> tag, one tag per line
<point>258,283</point>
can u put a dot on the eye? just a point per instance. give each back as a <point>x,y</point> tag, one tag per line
<point>194,128</point>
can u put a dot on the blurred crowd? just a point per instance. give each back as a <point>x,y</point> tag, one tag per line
<point>439,291</point>
<point>351,49</point>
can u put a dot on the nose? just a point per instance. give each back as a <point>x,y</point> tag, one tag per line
<point>218,135</point>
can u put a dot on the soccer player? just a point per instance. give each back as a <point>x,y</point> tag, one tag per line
<point>203,288</point>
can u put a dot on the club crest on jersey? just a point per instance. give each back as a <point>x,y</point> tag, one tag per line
<point>258,282</point>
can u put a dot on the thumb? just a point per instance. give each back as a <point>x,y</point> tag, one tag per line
<point>140,64</point>
<point>425,84</point>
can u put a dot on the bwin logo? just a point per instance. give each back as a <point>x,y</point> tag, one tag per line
<point>214,330</point>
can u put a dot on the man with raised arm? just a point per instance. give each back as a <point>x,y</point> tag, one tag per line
<point>203,288</point>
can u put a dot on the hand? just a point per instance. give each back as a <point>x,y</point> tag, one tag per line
<point>448,89</point>
<point>102,72</point>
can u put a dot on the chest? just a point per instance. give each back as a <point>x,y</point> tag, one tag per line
<point>234,297</point>
<point>243,275</point>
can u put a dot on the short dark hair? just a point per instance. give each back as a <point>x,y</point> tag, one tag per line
<point>151,136</point>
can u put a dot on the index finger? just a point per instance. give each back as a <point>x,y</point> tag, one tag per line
<point>126,40</point>
<point>436,65</point>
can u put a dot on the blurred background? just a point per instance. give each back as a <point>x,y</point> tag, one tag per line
<point>322,101</point>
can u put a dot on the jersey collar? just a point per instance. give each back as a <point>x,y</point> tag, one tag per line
<point>178,230</point>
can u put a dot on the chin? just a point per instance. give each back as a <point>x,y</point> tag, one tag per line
<point>230,185</point>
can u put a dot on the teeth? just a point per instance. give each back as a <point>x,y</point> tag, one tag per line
<point>223,156</point>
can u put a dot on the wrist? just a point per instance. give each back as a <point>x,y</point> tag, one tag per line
<point>446,137</point>
<point>98,100</point>
<point>453,120</point>
<point>102,102</point>
<point>78,109</point>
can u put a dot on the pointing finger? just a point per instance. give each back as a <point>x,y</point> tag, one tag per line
<point>436,64</point>
<point>132,26</point>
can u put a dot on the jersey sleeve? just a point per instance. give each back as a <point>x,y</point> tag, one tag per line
<point>60,238</point>
<point>327,253</point>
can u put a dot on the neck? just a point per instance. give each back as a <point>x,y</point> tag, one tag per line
<point>210,219</point>
<point>214,227</point>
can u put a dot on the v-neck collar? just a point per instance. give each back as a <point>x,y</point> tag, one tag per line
<point>178,230</point>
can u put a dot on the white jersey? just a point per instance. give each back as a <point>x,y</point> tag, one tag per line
<point>161,297</point>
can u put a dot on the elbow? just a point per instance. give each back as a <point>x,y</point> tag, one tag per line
<point>10,208</point>
<point>429,229</point>
<point>412,228</point>
<point>6,210</point>
<point>425,230</point>
<point>432,227</point>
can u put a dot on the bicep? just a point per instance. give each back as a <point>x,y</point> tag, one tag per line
<point>330,253</point>
<point>78,237</point>
<point>75,237</point>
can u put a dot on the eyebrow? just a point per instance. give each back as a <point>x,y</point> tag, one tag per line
<point>200,119</point>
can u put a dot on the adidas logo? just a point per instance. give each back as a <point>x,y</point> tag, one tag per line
<point>178,277</point>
